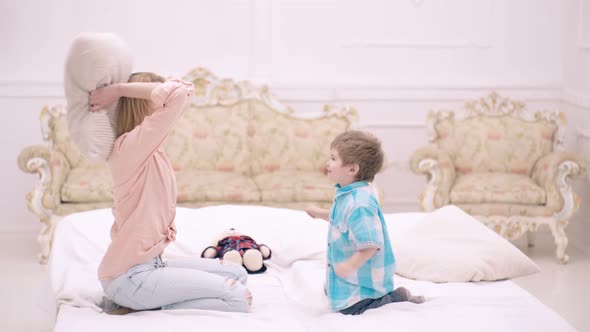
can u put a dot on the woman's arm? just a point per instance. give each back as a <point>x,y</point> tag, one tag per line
<point>101,98</point>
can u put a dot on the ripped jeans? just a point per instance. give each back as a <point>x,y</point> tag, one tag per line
<point>189,283</point>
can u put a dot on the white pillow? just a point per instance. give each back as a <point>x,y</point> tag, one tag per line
<point>94,60</point>
<point>448,245</point>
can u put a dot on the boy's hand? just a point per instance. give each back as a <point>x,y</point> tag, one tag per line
<point>102,98</point>
<point>348,267</point>
<point>343,269</point>
<point>316,212</point>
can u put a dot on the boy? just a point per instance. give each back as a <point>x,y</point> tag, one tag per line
<point>360,260</point>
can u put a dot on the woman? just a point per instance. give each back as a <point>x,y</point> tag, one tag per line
<point>132,272</point>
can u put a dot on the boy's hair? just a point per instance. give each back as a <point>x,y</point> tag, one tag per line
<point>132,111</point>
<point>361,148</point>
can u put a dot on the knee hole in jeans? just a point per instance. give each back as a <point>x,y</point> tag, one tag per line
<point>232,283</point>
<point>249,297</point>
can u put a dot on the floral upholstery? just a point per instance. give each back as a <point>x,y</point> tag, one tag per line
<point>86,185</point>
<point>503,144</point>
<point>220,154</point>
<point>234,144</point>
<point>281,143</point>
<point>294,186</point>
<point>211,139</point>
<point>208,186</point>
<point>502,164</point>
<point>498,209</point>
<point>488,187</point>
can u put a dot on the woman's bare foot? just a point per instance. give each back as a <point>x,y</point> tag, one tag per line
<point>121,311</point>
<point>406,295</point>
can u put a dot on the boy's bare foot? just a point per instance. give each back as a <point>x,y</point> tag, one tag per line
<point>121,311</point>
<point>406,295</point>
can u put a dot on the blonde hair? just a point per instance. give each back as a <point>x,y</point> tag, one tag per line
<point>360,148</point>
<point>132,111</point>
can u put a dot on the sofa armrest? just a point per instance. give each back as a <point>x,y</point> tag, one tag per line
<point>440,173</point>
<point>550,173</point>
<point>53,169</point>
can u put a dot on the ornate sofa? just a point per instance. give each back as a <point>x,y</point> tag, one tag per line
<point>502,164</point>
<point>235,144</point>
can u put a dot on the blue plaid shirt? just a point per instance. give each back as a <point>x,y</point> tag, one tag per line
<point>356,222</point>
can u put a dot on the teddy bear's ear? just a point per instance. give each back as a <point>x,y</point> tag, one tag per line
<point>265,251</point>
<point>209,252</point>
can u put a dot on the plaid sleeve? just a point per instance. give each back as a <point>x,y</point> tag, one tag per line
<point>365,228</point>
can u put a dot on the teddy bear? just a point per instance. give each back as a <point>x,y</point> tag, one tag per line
<point>241,249</point>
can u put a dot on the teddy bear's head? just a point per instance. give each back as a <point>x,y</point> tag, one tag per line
<point>237,247</point>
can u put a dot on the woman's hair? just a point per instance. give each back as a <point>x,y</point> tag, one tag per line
<point>132,111</point>
<point>361,148</point>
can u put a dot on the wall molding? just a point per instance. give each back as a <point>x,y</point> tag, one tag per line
<point>575,98</point>
<point>425,93</point>
<point>452,44</point>
<point>581,43</point>
<point>459,43</point>
<point>338,92</point>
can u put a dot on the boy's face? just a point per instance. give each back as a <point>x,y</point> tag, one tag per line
<point>338,173</point>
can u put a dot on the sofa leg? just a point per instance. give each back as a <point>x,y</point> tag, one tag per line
<point>561,241</point>
<point>45,239</point>
<point>530,237</point>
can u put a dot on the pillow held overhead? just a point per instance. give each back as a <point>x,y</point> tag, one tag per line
<point>94,60</point>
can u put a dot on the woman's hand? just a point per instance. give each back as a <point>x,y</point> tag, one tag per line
<point>102,98</point>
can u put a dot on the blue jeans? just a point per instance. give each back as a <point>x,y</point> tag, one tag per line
<point>192,283</point>
<point>366,304</point>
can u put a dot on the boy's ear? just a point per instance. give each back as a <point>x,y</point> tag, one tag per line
<point>353,170</point>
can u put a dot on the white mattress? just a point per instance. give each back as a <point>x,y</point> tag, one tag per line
<point>288,296</point>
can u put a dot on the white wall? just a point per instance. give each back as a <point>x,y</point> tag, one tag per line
<point>576,101</point>
<point>392,60</point>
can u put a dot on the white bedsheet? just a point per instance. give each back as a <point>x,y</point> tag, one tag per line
<point>289,296</point>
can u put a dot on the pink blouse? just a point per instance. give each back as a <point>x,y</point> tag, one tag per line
<point>144,185</point>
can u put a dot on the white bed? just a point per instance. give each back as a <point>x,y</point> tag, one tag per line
<point>288,296</point>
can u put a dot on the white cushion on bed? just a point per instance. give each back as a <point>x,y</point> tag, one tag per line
<point>94,60</point>
<point>448,245</point>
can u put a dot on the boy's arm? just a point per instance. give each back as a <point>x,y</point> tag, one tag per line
<point>316,212</point>
<point>357,260</point>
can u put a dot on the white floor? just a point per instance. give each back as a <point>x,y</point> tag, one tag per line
<point>23,283</point>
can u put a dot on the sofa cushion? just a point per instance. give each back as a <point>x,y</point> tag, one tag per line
<point>211,138</point>
<point>495,144</point>
<point>281,142</point>
<point>88,184</point>
<point>292,186</point>
<point>500,209</point>
<point>496,188</point>
<point>214,186</point>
